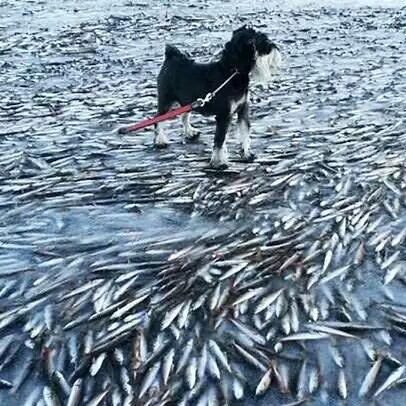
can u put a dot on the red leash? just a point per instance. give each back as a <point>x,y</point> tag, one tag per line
<point>157,119</point>
<point>176,112</point>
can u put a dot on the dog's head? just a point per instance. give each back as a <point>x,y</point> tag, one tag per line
<point>252,52</point>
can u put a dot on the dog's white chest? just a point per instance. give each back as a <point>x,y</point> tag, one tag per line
<point>235,104</point>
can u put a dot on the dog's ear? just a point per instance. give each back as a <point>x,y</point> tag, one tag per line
<point>243,28</point>
<point>246,28</point>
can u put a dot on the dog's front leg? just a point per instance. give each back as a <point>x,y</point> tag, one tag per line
<point>244,126</point>
<point>191,133</point>
<point>219,157</point>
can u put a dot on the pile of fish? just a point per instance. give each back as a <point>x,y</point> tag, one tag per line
<point>130,276</point>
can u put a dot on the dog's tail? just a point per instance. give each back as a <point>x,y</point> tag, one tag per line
<point>171,52</point>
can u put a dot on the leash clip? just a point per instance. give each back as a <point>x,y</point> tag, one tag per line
<point>201,102</point>
<point>208,97</point>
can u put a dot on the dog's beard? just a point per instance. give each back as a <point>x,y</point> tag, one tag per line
<point>266,66</point>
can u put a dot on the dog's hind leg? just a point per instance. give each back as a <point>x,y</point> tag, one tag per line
<point>191,133</point>
<point>244,125</point>
<point>160,140</point>
<point>164,105</point>
<point>219,157</point>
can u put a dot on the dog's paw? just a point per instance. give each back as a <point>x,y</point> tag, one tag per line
<point>161,145</point>
<point>248,157</point>
<point>192,137</point>
<point>161,141</point>
<point>219,166</point>
<point>219,158</point>
<point>192,134</point>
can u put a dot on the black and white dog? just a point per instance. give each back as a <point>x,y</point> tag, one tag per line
<point>182,80</point>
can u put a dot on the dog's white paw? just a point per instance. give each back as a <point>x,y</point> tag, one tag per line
<point>219,158</point>
<point>247,155</point>
<point>161,140</point>
<point>191,133</point>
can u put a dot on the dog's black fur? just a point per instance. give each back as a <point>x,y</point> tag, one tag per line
<point>182,80</point>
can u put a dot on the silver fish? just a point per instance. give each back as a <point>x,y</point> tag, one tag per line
<point>391,380</point>
<point>267,301</point>
<point>342,384</point>
<point>370,377</point>
<point>149,379</point>
<point>264,383</point>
